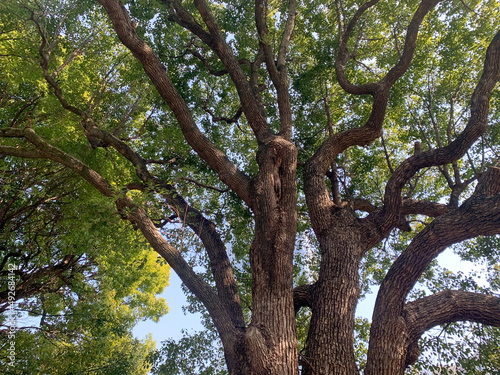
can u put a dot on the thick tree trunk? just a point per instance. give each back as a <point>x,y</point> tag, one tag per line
<point>330,342</point>
<point>271,338</point>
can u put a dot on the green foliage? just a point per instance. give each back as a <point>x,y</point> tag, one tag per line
<point>198,353</point>
<point>97,347</point>
<point>115,281</point>
<point>461,349</point>
<point>78,320</point>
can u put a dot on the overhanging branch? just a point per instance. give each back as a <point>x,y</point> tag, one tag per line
<point>451,306</point>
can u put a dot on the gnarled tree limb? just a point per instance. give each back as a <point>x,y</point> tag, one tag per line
<point>227,171</point>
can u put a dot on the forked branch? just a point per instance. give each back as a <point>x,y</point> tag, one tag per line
<point>227,171</point>
<point>316,167</point>
<point>476,127</point>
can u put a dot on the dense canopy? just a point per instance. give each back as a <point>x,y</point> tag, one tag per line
<point>285,158</point>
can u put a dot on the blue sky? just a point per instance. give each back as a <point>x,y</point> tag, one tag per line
<point>171,324</point>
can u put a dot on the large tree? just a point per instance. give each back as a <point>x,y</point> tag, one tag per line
<point>237,134</point>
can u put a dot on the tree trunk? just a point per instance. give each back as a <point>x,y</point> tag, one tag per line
<point>271,338</point>
<point>330,342</point>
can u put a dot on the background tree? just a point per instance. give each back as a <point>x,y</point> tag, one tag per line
<point>80,286</point>
<point>83,279</point>
<point>280,155</point>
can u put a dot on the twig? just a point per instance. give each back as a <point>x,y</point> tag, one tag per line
<point>202,185</point>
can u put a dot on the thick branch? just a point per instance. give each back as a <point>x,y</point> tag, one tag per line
<point>317,194</point>
<point>182,17</point>
<point>410,42</point>
<point>479,215</point>
<point>404,62</point>
<point>220,265</point>
<point>423,207</point>
<point>137,216</point>
<point>203,228</point>
<point>20,152</point>
<point>226,170</point>
<point>451,306</point>
<point>409,207</point>
<point>219,261</point>
<point>287,33</point>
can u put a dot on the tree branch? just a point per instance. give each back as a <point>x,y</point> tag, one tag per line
<point>47,151</point>
<point>227,120</point>
<point>316,192</point>
<point>20,152</point>
<point>451,306</point>
<point>446,307</point>
<point>253,109</point>
<point>478,215</point>
<point>410,42</point>
<point>210,69</point>
<point>423,207</point>
<point>277,69</point>
<point>203,185</point>
<point>476,126</point>
<point>220,264</point>
<point>205,229</point>
<point>227,171</point>
<point>344,55</point>
<point>33,282</point>
<point>221,317</point>
<point>287,33</point>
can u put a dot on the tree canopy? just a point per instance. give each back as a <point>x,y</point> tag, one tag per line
<point>285,158</point>
<point>80,286</point>
<point>83,279</point>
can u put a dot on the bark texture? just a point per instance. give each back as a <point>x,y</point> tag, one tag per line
<point>267,345</point>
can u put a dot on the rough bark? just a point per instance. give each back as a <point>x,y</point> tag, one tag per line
<point>268,345</point>
<point>390,334</point>
<point>271,338</point>
<point>330,341</point>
